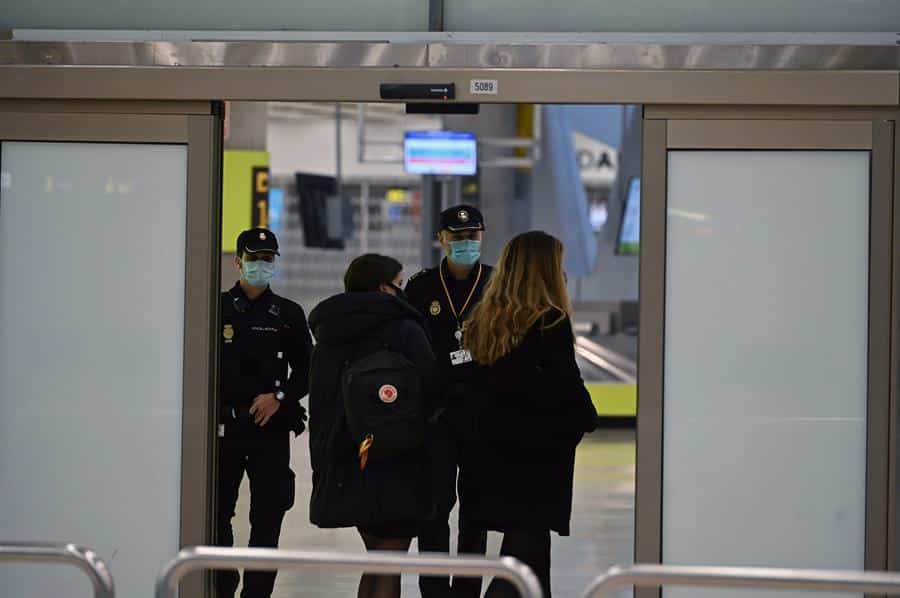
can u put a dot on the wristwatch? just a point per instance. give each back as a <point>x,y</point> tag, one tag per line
<point>279,394</point>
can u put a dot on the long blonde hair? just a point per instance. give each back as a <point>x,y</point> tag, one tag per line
<point>526,285</point>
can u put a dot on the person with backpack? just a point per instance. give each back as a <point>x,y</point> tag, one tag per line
<point>370,378</point>
<point>529,403</point>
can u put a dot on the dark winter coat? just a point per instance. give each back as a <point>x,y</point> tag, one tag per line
<point>390,492</point>
<point>532,410</point>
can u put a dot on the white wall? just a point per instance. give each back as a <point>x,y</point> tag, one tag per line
<point>308,145</point>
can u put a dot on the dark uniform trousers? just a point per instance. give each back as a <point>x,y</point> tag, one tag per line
<point>264,454</point>
<point>426,292</point>
<point>260,340</point>
<point>446,453</point>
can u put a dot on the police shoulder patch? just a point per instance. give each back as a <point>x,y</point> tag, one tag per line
<point>418,275</point>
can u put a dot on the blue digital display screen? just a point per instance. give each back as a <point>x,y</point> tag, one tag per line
<point>440,152</point>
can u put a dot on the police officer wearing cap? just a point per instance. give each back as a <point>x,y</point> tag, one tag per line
<point>265,350</point>
<point>446,295</point>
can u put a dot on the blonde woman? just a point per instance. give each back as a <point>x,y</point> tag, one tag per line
<point>531,404</point>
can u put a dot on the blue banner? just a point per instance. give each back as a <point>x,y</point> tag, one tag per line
<point>559,203</point>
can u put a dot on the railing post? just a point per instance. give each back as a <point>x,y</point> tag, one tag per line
<point>768,578</point>
<point>385,563</point>
<point>72,554</point>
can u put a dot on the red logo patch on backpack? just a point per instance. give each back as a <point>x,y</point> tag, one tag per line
<point>387,393</point>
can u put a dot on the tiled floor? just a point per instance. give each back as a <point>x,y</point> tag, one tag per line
<point>602,524</point>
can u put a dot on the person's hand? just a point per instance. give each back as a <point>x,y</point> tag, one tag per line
<point>264,407</point>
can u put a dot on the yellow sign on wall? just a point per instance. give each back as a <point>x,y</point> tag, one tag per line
<point>238,187</point>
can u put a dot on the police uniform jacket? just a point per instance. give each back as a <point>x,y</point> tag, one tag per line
<point>260,340</point>
<point>393,493</point>
<point>426,293</point>
<point>531,409</point>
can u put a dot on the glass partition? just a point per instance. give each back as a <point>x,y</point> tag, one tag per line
<point>765,375</point>
<point>92,279</point>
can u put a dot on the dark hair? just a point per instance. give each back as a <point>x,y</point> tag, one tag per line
<point>368,272</point>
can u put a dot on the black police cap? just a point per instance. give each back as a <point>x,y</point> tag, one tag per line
<point>460,218</point>
<point>256,240</point>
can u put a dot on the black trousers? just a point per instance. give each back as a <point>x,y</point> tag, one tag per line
<point>446,451</point>
<point>264,455</point>
<point>533,549</point>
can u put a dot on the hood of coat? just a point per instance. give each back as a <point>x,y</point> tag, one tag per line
<point>347,317</point>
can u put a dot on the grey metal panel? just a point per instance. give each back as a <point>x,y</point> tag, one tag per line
<point>878,426</point>
<point>541,86</point>
<point>463,15</point>
<point>201,327</point>
<point>104,107</point>
<point>454,55</point>
<point>894,443</point>
<point>206,54</point>
<point>660,56</point>
<point>395,15</point>
<point>651,344</point>
<point>666,15</point>
<point>769,113</point>
<point>455,37</point>
<point>654,56</point>
<point>769,134</point>
<point>111,128</point>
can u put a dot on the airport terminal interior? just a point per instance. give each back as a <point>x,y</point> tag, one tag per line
<point>584,161</point>
<point>724,178</point>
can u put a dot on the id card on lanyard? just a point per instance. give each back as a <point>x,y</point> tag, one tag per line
<point>462,355</point>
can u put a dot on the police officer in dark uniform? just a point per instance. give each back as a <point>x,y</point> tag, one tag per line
<point>262,336</point>
<point>446,295</point>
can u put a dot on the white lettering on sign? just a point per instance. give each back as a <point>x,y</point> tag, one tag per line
<point>484,87</point>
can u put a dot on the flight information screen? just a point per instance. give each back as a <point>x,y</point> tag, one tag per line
<point>440,152</point>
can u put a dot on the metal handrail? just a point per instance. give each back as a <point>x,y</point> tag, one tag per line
<point>822,580</point>
<point>71,554</point>
<point>392,563</point>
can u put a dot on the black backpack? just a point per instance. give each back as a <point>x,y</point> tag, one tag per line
<point>383,404</point>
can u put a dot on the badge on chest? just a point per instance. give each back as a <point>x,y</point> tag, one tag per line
<point>460,357</point>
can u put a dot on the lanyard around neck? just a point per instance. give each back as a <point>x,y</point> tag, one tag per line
<point>456,314</point>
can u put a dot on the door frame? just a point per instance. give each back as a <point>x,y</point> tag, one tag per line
<point>689,82</point>
<point>726,128</point>
<point>197,126</point>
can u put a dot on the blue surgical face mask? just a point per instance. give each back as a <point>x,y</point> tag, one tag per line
<point>259,273</point>
<point>465,253</point>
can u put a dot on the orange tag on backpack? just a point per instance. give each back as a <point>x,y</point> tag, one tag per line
<point>364,447</point>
